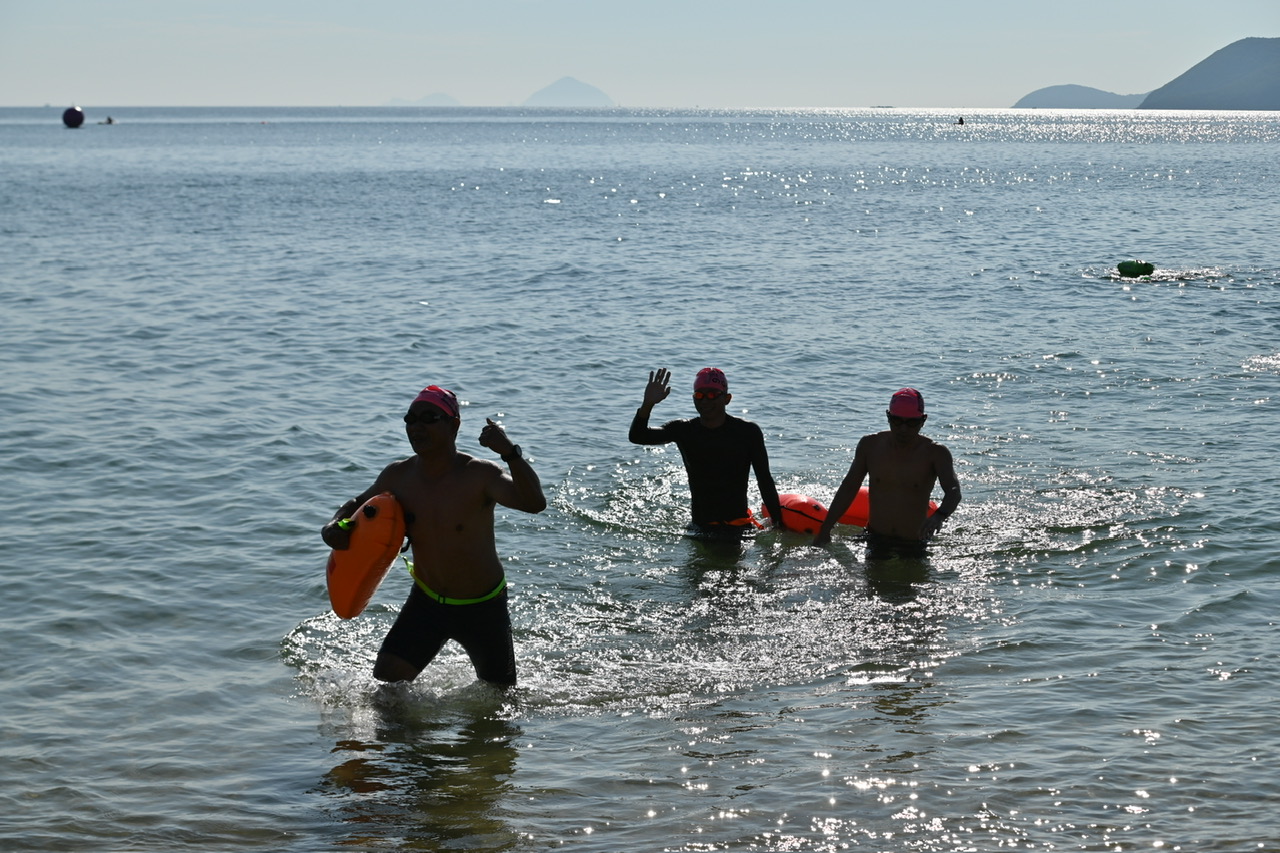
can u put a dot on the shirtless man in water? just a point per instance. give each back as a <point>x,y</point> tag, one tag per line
<point>459,591</point>
<point>903,466</point>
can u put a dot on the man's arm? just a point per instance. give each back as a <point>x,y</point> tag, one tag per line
<point>521,490</point>
<point>845,494</point>
<point>764,481</point>
<point>334,534</point>
<point>944,467</point>
<point>654,393</point>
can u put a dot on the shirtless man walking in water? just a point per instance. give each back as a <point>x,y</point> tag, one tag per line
<point>448,497</point>
<point>902,466</point>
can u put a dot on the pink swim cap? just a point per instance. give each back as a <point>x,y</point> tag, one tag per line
<point>441,398</point>
<point>711,378</point>
<point>907,403</point>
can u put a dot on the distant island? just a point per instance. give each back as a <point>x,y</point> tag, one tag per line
<point>1244,75</point>
<point>565,92</point>
<point>568,92</point>
<point>1071,97</point>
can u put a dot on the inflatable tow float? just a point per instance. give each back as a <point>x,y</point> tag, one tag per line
<point>803,513</point>
<point>354,572</point>
<point>1135,269</point>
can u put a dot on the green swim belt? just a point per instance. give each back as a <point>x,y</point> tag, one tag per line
<point>435,596</point>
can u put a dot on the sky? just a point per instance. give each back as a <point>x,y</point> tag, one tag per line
<point>642,53</point>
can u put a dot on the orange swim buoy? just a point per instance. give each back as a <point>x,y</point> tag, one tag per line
<point>354,572</point>
<point>803,513</point>
<point>859,512</point>
<point>800,512</point>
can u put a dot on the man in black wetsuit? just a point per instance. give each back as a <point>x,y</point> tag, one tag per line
<point>718,449</point>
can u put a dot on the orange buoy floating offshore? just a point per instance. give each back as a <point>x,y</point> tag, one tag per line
<point>803,513</point>
<point>354,572</point>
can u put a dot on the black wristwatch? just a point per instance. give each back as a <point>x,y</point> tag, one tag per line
<point>516,453</point>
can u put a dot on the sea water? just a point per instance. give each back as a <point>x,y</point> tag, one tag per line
<point>211,321</point>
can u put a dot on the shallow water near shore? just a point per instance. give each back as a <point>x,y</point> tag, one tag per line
<point>212,321</point>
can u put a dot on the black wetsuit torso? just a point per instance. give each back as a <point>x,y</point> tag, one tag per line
<point>718,462</point>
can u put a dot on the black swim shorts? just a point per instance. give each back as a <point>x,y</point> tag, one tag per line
<point>883,547</point>
<point>482,629</point>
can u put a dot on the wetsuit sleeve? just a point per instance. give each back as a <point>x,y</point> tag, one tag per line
<point>764,477</point>
<point>642,433</point>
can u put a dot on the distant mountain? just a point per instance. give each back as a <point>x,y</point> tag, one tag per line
<point>568,92</point>
<point>1244,75</point>
<point>437,99</point>
<point>1071,97</point>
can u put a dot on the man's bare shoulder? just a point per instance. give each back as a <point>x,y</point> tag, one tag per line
<point>872,440</point>
<point>474,466</point>
<point>399,465</point>
<point>395,472</point>
<point>460,465</point>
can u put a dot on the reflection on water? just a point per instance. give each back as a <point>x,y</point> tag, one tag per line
<point>425,778</point>
<point>708,552</point>
<point>896,579</point>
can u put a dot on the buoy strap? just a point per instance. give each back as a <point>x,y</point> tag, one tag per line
<point>750,520</point>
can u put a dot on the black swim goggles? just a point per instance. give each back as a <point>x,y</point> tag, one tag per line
<point>426,416</point>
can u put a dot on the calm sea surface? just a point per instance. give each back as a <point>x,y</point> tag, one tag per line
<point>211,321</point>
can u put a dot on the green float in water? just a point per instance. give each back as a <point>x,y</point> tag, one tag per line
<point>1133,269</point>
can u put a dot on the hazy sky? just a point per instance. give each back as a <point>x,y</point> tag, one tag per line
<point>675,53</point>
